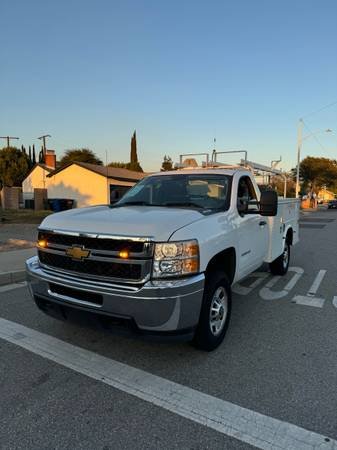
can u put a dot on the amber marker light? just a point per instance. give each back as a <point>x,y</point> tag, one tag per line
<point>124,254</point>
<point>42,243</point>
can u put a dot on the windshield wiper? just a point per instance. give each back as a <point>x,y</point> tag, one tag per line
<point>195,205</point>
<point>143,203</point>
<point>134,203</point>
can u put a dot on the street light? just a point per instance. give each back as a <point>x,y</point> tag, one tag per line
<point>300,140</point>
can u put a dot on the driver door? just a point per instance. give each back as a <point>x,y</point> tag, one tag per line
<point>252,229</point>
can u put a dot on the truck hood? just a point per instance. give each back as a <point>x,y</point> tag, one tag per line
<point>131,221</point>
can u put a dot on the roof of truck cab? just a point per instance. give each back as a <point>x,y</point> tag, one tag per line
<point>204,171</point>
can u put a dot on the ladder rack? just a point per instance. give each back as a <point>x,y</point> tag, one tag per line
<point>255,168</point>
<point>215,155</point>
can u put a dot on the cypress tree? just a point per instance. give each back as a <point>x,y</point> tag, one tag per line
<point>41,156</point>
<point>133,153</point>
<point>34,157</point>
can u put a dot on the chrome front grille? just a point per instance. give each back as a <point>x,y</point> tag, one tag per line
<point>102,259</point>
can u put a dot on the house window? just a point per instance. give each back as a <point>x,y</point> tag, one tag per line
<point>117,192</point>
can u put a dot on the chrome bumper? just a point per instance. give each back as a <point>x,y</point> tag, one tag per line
<point>157,306</point>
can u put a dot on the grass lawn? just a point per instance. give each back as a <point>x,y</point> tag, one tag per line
<point>22,216</point>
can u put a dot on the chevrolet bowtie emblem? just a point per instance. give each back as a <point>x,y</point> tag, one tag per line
<point>78,253</point>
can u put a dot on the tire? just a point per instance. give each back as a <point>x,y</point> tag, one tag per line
<point>281,264</point>
<point>213,322</point>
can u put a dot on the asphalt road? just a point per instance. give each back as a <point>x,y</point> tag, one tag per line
<point>279,359</point>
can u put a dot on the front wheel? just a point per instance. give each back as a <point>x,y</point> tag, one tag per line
<point>215,312</point>
<point>281,264</point>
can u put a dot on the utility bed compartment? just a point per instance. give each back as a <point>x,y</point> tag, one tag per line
<point>287,217</point>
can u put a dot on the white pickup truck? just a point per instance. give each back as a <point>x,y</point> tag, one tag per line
<point>164,257</point>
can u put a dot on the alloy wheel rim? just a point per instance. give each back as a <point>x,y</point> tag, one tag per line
<point>285,256</point>
<point>218,311</point>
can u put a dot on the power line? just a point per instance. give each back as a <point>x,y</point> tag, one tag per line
<point>314,136</point>
<point>321,109</point>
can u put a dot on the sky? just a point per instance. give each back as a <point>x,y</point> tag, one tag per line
<point>179,72</point>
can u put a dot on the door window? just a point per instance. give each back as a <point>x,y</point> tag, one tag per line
<point>246,198</point>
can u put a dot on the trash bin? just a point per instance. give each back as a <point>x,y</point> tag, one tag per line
<point>57,205</point>
<point>60,204</point>
<point>54,204</point>
<point>29,204</point>
<point>66,203</point>
<point>70,203</point>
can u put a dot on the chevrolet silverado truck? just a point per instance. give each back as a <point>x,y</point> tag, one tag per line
<point>164,257</point>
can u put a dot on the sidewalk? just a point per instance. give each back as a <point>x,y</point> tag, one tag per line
<point>17,236</point>
<point>12,265</point>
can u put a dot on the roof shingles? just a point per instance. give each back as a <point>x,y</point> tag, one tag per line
<point>109,172</point>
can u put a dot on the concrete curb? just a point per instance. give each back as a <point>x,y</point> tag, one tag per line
<point>12,277</point>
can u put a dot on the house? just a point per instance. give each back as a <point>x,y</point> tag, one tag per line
<point>325,195</point>
<point>86,184</point>
<point>36,179</point>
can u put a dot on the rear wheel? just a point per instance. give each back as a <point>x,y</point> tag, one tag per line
<point>215,312</point>
<point>281,264</point>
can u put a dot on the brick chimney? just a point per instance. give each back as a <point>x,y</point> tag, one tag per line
<point>50,159</point>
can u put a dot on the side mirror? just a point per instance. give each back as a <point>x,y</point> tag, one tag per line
<point>268,203</point>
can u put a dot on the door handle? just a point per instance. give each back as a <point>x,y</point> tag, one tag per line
<point>262,223</point>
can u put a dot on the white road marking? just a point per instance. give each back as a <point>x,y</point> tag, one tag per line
<point>245,290</point>
<point>10,287</point>
<point>308,301</point>
<point>232,420</point>
<point>318,280</point>
<point>267,294</point>
<point>334,301</point>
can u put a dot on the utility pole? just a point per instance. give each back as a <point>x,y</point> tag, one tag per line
<point>44,142</point>
<point>300,139</point>
<point>8,139</point>
<point>299,145</point>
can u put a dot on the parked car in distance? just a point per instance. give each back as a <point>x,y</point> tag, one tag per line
<point>332,204</point>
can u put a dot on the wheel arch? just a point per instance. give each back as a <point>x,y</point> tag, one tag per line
<point>224,260</point>
<point>290,236</point>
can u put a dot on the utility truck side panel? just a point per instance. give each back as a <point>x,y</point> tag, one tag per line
<point>286,221</point>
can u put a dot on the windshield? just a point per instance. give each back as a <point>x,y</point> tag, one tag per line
<point>189,191</point>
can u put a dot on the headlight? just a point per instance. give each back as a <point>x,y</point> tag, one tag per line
<point>174,259</point>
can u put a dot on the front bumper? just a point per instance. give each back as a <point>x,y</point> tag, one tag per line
<point>169,306</point>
